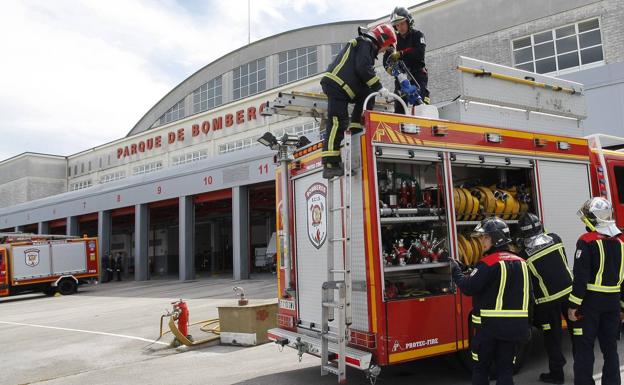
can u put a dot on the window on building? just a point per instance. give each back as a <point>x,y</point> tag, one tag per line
<point>174,113</point>
<point>297,64</point>
<point>238,144</point>
<point>81,168</point>
<point>335,50</point>
<point>68,171</point>
<point>89,166</point>
<point>100,162</point>
<point>250,78</point>
<point>207,96</point>
<point>568,48</point>
<point>75,169</point>
<point>80,185</point>
<point>147,168</point>
<point>189,157</point>
<point>112,176</point>
<point>300,129</point>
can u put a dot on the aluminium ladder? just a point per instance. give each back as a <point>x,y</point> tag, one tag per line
<point>336,293</point>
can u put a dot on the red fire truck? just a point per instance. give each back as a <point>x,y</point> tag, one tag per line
<point>48,264</point>
<point>364,278</point>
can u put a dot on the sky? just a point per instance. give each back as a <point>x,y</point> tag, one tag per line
<point>77,74</point>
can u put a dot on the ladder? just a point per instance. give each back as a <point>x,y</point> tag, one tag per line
<point>336,291</point>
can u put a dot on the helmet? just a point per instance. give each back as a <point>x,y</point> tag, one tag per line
<point>597,214</point>
<point>383,35</point>
<point>495,228</point>
<point>530,225</point>
<point>399,14</point>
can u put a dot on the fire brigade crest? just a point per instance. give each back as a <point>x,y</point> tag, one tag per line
<point>31,257</point>
<point>316,197</point>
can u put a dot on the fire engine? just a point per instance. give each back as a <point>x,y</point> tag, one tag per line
<point>46,263</point>
<point>364,275</point>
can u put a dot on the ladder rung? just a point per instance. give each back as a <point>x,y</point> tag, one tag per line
<point>338,208</point>
<point>332,369</point>
<point>333,304</point>
<point>330,337</point>
<point>338,271</point>
<point>339,239</point>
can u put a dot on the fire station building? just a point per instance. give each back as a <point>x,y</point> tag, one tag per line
<point>189,192</point>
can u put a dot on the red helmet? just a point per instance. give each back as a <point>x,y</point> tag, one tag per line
<point>384,35</point>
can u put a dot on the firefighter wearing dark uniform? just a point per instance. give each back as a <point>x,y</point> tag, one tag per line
<point>350,78</point>
<point>411,50</point>
<point>552,283</point>
<point>501,289</point>
<point>596,298</point>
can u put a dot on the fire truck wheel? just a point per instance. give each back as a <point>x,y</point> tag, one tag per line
<point>67,286</point>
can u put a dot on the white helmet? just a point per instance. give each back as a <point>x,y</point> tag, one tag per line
<point>598,213</point>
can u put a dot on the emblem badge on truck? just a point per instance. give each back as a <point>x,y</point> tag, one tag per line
<point>316,197</point>
<point>31,257</point>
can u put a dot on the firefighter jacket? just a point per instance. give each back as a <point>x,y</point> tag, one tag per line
<point>550,275</point>
<point>598,268</point>
<point>501,289</point>
<point>353,69</point>
<point>412,48</point>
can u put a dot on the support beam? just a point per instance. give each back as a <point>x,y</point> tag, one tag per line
<point>19,229</point>
<point>104,239</point>
<point>240,232</point>
<point>141,228</point>
<point>43,228</point>
<point>186,238</point>
<point>72,226</point>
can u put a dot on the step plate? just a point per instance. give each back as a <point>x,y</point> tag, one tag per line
<point>355,358</point>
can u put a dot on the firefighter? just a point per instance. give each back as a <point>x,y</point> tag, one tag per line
<point>118,265</point>
<point>552,282</point>
<point>411,50</point>
<point>501,289</point>
<point>596,302</point>
<point>350,78</point>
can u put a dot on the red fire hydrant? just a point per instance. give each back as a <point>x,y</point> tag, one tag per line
<point>181,309</point>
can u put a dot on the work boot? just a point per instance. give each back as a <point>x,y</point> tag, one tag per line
<point>331,170</point>
<point>551,378</point>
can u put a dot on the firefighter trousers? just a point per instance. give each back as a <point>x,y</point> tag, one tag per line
<point>548,317</point>
<point>601,319</point>
<point>487,351</point>
<point>338,121</point>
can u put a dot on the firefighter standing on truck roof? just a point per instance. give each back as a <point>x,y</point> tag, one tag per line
<point>552,282</point>
<point>411,50</point>
<point>350,78</point>
<point>597,298</point>
<point>501,291</point>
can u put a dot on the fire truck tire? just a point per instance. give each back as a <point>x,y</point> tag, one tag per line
<point>67,286</point>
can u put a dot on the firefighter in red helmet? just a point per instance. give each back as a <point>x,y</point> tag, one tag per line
<point>350,78</point>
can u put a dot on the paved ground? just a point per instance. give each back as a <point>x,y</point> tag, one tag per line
<point>101,336</point>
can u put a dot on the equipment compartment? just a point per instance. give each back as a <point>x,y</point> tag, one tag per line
<point>484,186</point>
<point>414,230</point>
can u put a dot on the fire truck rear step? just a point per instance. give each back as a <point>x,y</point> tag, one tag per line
<point>354,358</point>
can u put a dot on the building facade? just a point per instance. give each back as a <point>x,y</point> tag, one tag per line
<point>188,191</point>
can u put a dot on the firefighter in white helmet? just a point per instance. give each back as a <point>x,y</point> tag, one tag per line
<point>597,299</point>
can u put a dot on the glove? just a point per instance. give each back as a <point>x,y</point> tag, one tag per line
<point>455,266</point>
<point>394,56</point>
<point>389,70</point>
<point>384,93</point>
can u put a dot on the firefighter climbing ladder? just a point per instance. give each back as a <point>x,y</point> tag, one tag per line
<point>342,287</point>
